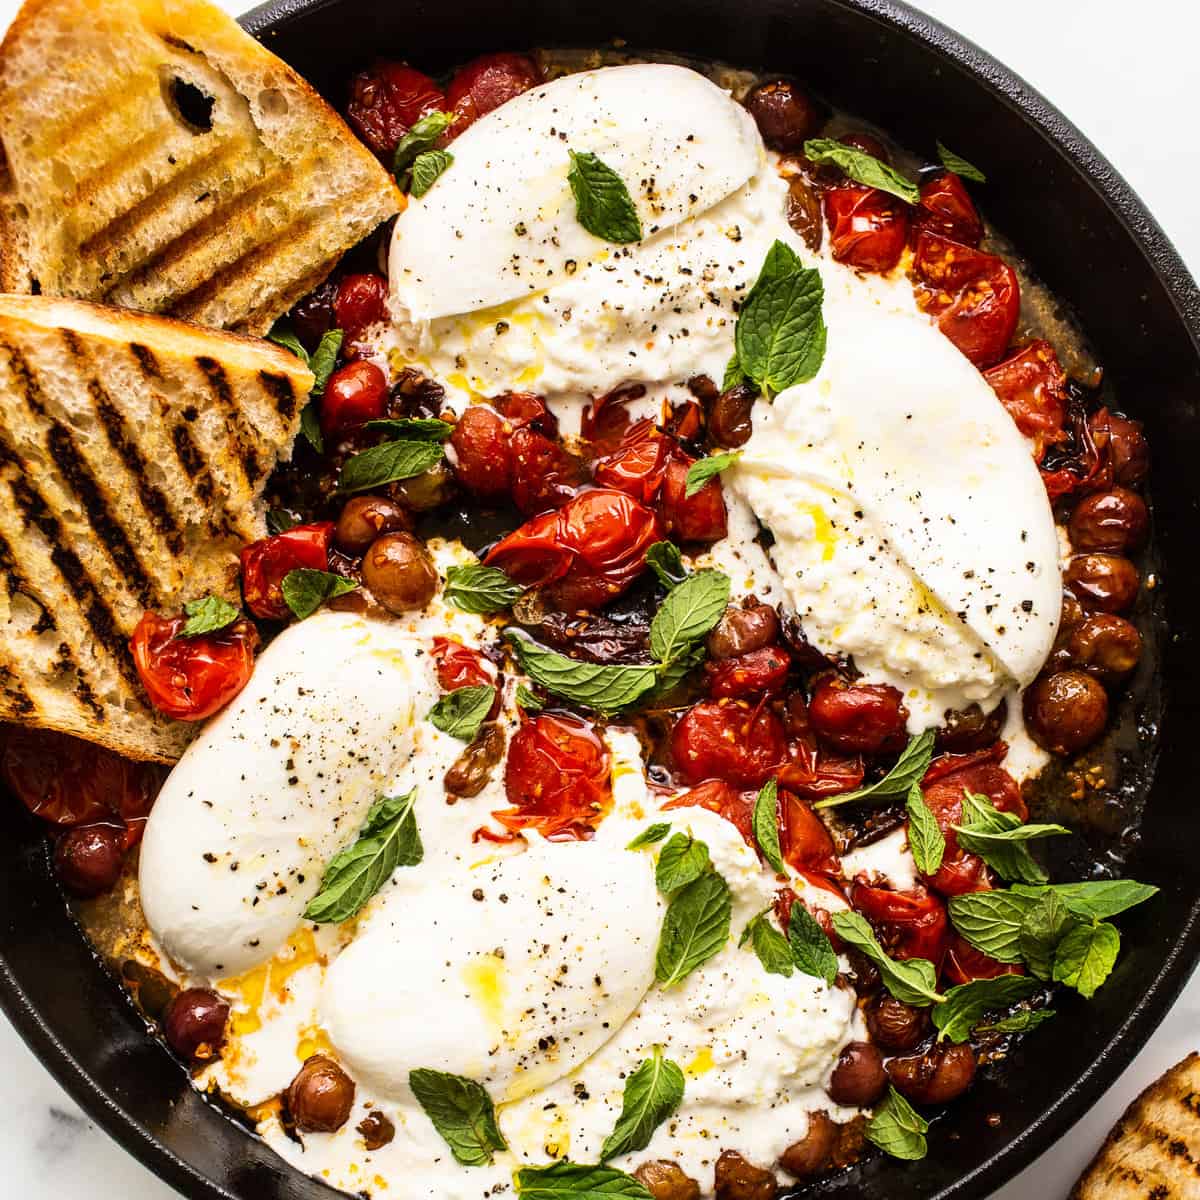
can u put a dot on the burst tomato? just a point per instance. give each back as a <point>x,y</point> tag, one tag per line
<point>973,297</point>
<point>460,666</point>
<point>946,208</point>
<point>867,227</point>
<point>191,678</point>
<point>910,924</point>
<point>806,842</point>
<point>760,672</point>
<point>811,770</point>
<point>266,562</point>
<point>360,301</point>
<point>639,464</point>
<point>721,798</point>
<point>606,420</point>
<point>1032,386</point>
<point>557,778</point>
<point>700,517</point>
<point>486,83</point>
<point>730,740</point>
<point>387,100</point>
<point>481,457</point>
<point>355,394</point>
<point>505,448</point>
<point>858,718</point>
<point>964,963</point>
<point>544,475</point>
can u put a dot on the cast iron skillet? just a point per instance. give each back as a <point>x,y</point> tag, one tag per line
<point>1095,245</point>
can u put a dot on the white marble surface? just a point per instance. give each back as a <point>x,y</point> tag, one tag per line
<point>1129,84</point>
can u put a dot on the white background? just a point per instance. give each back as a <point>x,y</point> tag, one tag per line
<point>1126,75</point>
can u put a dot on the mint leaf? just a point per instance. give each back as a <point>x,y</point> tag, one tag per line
<point>324,359</point>
<point>998,838</point>
<point>898,1129</point>
<point>766,826</point>
<point>282,334</point>
<point>279,520</point>
<point>733,374</point>
<point>769,945</point>
<point>602,201</point>
<point>321,363</point>
<point>208,616</point>
<point>387,463</point>
<point>911,980</point>
<point>1086,956</point>
<point>462,1112</point>
<point>461,712</point>
<point>964,1005</point>
<point>426,170</point>
<point>925,838</point>
<point>571,1181</point>
<point>695,928</point>
<point>701,471</point>
<point>479,589</point>
<point>412,429</point>
<point>671,674</point>
<point>780,333</point>
<point>388,839</point>
<point>650,835</point>
<point>1097,900</point>
<point>652,1093</point>
<point>606,689</point>
<point>960,166</point>
<point>688,613</point>
<point>527,701</point>
<point>305,589</point>
<point>310,427</point>
<point>1019,1022</point>
<point>681,860</point>
<point>812,951</point>
<point>910,769</point>
<point>862,167</point>
<point>417,140</point>
<point>1045,925</point>
<point>664,559</point>
<point>992,921</point>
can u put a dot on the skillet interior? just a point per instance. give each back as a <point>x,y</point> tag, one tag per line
<point>1093,244</point>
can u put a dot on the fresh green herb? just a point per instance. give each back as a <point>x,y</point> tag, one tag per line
<point>688,613</point>
<point>208,615</point>
<point>769,944</point>
<point>960,166</point>
<point>310,427</point>
<point>862,167</point>
<point>910,768</point>
<point>573,1181</point>
<point>1086,956</point>
<point>733,374</point>
<point>282,334</point>
<point>462,1112</point>
<point>911,980</point>
<point>527,700</point>
<point>650,835</point>
<point>701,471</point>
<point>305,589</point>
<point>652,1093</point>
<point>664,559</point>
<point>426,170</point>
<point>606,689</point>
<point>478,589</point>
<point>965,1004</point>
<point>1098,900</point>
<point>321,363</point>
<point>461,712</point>
<point>898,1129</point>
<point>766,825</point>
<point>682,860</point>
<point>695,928</point>
<point>1019,1022</point>
<point>387,463</point>
<point>992,921</point>
<point>999,839</point>
<point>780,333</point>
<point>416,141</point>
<point>412,429</point>
<point>812,950</point>
<point>671,674</point>
<point>279,520</point>
<point>324,359</point>
<point>1045,925</point>
<point>602,201</point>
<point>925,838</point>
<point>388,839</point>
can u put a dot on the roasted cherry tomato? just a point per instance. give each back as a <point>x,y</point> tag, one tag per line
<point>387,100</point>
<point>69,783</point>
<point>700,517</point>
<point>946,208</point>
<point>811,770</point>
<point>785,898</point>
<point>858,718</point>
<point>867,227</point>
<point>639,464</point>
<point>1032,386</point>
<point>910,924</point>
<point>761,672</point>
<point>191,678</point>
<point>460,666</point>
<point>806,843</point>
<point>730,740</point>
<point>355,394</point>
<point>482,461</point>
<point>266,562</point>
<point>973,297</point>
<point>486,83</point>
<point>721,798</point>
<point>544,475</point>
<point>606,421</point>
<point>360,301</point>
<point>557,778</point>
<point>491,460</point>
<point>964,963</point>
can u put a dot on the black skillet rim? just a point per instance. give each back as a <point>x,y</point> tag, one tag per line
<point>1129,211</point>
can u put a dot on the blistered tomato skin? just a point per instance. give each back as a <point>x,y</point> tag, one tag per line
<point>387,100</point>
<point>721,798</point>
<point>482,459</point>
<point>1114,522</point>
<point>805,841</point>
<point>486,83</point>
<point>965,964</point>
<point>364,518</point>
<point>1065,712</point>
<point>544,475</point>
<point>858,1079</point>
<point>940,1074</point>
<point>265,563</point>
<point>191,678</point>
<point>1033,388</point>
<point>946,208</point>
<point>868,228</point>
<point>700,517</point>
<point>858,718</point>
<point>910,924</point>
<point>360,301</point>
<point>1106,646</point>
<point>399,573</point>
<point>894,1025</point>
<point>355,394</point>
<point>757,673</point>
<point>1103,582</point>
<point>730,740</point>
<point>460,666</point>
<point>321,1096</point>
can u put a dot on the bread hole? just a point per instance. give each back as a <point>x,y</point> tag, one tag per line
<point>190,105</point>
<point>272,103</point>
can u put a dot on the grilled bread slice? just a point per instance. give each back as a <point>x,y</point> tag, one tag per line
<point>133,454</point>
<point>157,157</point>
<point>1153,1152</point>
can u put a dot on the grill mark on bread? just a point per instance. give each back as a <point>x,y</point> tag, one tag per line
<point>83,688</point>
<point>17,585</point>
<point>279,388</point>
<point>218,383</point>
<point>284,299</point>
<point>120,167</point>
<point>20,702</point>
